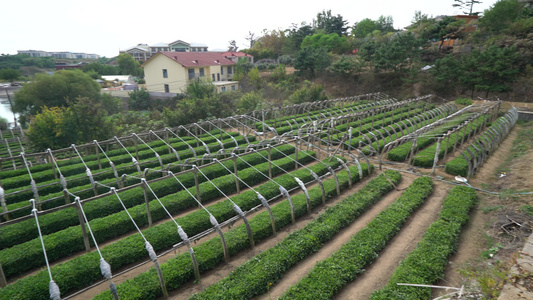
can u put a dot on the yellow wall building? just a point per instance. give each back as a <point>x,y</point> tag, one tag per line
<point>171,72</point>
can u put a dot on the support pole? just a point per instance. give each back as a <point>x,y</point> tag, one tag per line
<point>83,229</point>
<point>235,171</point>
<point>248,228</point>
<point>195,173</point>
<point>265,204</point>
<point>222,239</point>
<point>153,257</point>
<point>285,193</point>
<point>436,159</point>
<point>321,186</point>
<point>3,281</point>
<point>302,185</point>
<point>146,200</point>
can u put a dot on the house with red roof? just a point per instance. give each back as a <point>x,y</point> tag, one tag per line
<point>236,56</point>
<point>172,72</point>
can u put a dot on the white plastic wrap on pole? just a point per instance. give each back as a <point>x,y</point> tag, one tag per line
<point>321,185</point>
<point>3,200</point>
<point>63,181</point>
<point>263,200</point>
<point>238,210</point>
<point>345,166</point>
<point>55,294</point>
<point>90,175</point>
<point>114,169</point>
<point>105,269</point>
<point>315,176</point>
<point>206,148</point>
<point>34,188</point>
<point>213,221</point>
<point>302,186</point>
<point>265,204</point>
<point>285,193</point>
<point>176,153</point>
<point>150,250</point>
<point>159,159</point>
<point>183,235</point>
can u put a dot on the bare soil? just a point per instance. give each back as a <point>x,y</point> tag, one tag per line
<point>488,226</point>
<point>484,229</point>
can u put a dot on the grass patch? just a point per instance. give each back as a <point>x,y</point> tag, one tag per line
<point>527,209</point>
<point>521,145</point>
<point>489,209</point>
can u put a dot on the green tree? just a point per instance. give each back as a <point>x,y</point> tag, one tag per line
<point>398,54</point>
<point>251,101</point>
<point>491,70</point>
<point>497,67</point>
<point>112,105</point>
<point>45,130</point>
<point>295,37</point>
<point>59,127</point>
<point>385,24</point>
<point>199,89</point>
<point>54,90</point>
<point>467,5</point>
<point>309,92</point>
<point>310,59</point>
<point>364,28</point>
<point>127,64</point>
<point>347,65</point>
<point>501,15</point>
<point>331,42</point>
<point>9,74</point>
<point>328,23</point>
<point>447,72</point>
<point>139,99</point>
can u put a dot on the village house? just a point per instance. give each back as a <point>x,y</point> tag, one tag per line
<point>172,71</point>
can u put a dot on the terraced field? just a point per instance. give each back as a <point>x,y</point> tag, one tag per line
<point>315,201</point>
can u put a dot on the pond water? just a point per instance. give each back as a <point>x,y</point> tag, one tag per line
<point>5,111</point>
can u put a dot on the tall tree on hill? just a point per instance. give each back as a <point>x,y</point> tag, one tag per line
<point>468,5</point>
<point>295,37</point>
<point>251,38</point>
<point>330,24</point>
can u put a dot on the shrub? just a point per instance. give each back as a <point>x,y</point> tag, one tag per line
<point>139,99</point>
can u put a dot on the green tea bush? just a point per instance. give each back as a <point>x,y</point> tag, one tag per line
<point>427,263</point>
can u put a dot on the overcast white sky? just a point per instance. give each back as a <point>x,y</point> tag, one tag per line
<point>105,26</point>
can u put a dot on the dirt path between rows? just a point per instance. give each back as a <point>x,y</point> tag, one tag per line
<point>483,228</point>
<point>304,267</point>
<point>378,273</point>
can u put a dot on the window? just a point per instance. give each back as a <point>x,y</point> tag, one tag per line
<point>223,88</point>
<point>222,70</point>
<point>233,87</point>
<point>218,76</point>
<point>230,70</point>
<point>191,73</point>
<point>213,76</point>
<point>167,90</point>
<point>202,72</point>
<point>165,73</point>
